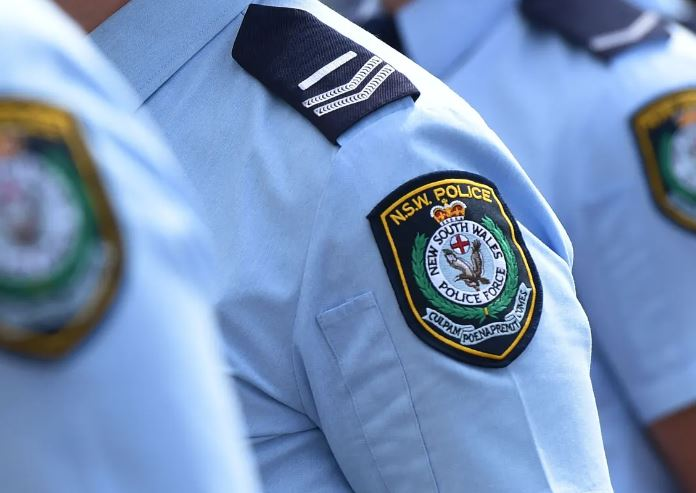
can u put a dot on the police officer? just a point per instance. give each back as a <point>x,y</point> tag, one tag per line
<point>380,302</point>
<point>596,99</point>
<point>110,375</point>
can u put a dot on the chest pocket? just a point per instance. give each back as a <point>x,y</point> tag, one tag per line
<point>377,383</point>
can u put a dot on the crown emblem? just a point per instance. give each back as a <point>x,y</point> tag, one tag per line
<point>448,213</point>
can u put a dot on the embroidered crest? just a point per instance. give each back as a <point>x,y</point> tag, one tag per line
<point>458,264</point>
<point>61,252</point>
<point>330,79</point>
<point>666,134</point>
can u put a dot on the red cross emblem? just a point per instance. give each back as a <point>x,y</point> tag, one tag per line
<point>459,244</point>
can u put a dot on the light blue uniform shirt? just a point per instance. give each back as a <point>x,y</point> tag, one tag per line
<point>339,394</point>
<point>142,405</point>
<point>566,116</point>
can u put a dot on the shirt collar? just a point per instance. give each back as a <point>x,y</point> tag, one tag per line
<point>437,33</point>
<point>149,40</point>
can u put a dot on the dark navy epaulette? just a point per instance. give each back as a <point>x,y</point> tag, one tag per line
<point>690,23</point>
<point>330,79</point>
<point>604,27</point>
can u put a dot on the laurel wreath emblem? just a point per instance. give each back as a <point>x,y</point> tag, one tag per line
<point>450,308</point>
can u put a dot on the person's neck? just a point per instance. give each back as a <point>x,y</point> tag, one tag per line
<point>393,6</point>
<point>89,14</point>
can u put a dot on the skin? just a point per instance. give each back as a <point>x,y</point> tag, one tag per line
<point>675,438</point>
<point>90,13</point>
<point>392,6</point>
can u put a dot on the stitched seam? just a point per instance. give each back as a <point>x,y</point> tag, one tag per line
<point>312,234</point>
<point>172,68</point>
<point>410,395</point>
<point>272,436</point>
<point>531,431</point>
<point>355,411</point>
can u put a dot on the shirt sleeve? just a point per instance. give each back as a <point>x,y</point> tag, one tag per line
<point>400,415</point>
<point>635,268</point>
<point>136,398</point>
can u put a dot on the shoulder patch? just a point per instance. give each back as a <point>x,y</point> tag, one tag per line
<point>61,250</point>
<point>330,79</point>
<point>464,279</point>
<point>665,130</point>
<point>604,27</point>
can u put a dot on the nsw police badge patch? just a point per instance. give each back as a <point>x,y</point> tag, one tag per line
<point>464,279</point>
<point>666,134</point>
<point>60,250</point>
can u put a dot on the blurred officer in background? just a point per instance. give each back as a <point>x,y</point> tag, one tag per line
<point>111,379</point>
<point>356,10</point>
<point>380,302</point>
<point>597,100</point>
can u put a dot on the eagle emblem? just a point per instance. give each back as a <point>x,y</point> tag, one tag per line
<point>471,272</point>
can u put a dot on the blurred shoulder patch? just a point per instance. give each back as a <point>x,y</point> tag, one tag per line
<point>665,131</point>
<point>60,248</point>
